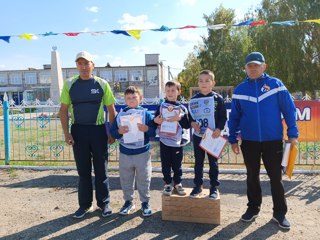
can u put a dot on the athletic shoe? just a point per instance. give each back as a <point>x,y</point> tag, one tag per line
<point>106,211</point>
<point>282,221</point>
<point>145,208</point>
<point>214,193</point>
<point>196,191</point>
<point>179,189</point>
<point>81,212</point>
<point>167,190</point>
<point>126,208</point>
<point>249,215</point>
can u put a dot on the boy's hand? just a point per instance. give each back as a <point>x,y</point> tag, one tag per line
<point>216,133</point>
<point>123,129</point>
<point>158,119</point>
<point>175,118</point>
<point>195,126</point>
<point>143,127</point>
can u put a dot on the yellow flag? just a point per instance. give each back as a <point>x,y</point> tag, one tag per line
<point>27,36</point>
<point>292,159</point>
<point>135,33</point>
<point>314,20</point>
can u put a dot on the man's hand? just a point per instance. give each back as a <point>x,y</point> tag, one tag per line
<point>235,148</point>
<point>68,139</point>
<point>293,141</point>
<point>110,140</point>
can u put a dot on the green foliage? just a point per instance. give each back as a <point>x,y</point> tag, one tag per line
<point>292,52</point>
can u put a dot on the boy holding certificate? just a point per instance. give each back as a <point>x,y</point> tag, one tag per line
<point>171,118</point>
<point>206,110</point>
<point>133,127</point>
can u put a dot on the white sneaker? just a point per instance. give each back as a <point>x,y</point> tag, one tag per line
<point>167,190</point>
<point>179,189</point>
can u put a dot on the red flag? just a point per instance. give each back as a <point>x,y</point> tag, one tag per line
<point>72,34</point>
<point>260,22</point>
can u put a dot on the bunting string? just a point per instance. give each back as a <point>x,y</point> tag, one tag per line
<point>136,33</point>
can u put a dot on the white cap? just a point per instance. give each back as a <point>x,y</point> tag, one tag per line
<point>84,55</point>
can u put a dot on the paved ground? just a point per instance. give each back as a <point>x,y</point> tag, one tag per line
<point>39,204</point>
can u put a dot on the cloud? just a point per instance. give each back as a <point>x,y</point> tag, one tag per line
<point>181,38</point>
<point>135,22</point>
<point>187,2</point>
<point>93,9</point>
<point>95,20</point>
<point>140,49</point>
<point>2,66</point>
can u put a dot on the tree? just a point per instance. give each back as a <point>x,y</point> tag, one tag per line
<point>188,77</point>
<point>224,50</point>
<point>292,52</point>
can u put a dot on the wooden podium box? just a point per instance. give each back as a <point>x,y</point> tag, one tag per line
<point>186,209</point>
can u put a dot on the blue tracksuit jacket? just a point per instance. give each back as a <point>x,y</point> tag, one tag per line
<point>257,109</point>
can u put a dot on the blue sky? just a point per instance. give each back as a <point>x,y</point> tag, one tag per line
<point>60,16</point>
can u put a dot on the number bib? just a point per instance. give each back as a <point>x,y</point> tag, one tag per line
<point>202,110</point>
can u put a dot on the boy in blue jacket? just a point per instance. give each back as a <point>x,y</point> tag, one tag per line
<point>135,153</point>
<point>258,105</point>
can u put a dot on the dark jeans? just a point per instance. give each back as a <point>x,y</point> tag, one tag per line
<point>90,148</point>
<point>199,155</point>
<point>171,158</point>
<point>271,154</point>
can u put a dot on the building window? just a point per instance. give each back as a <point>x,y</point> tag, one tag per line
<point>3,79</point>
<point>120,76</point>
<point>42,94</point>
<point>16,78</point>
<point>30,78</point>
<point>107,75</point>
<point>136,75</point>
<point>45,77</point>
<point>119,88</point>
<point>152,77</point>
<point>72,73</point>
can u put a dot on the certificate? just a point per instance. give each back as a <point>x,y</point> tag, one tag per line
<point>134,134</point>
<point>213,146</point>
<point>169,127</point>
<point>167,111</point>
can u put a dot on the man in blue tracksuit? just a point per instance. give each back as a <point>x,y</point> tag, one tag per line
<point>258,105</point>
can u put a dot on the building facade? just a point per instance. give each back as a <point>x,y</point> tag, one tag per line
<point>32,84</point>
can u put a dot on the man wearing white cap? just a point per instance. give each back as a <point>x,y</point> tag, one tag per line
<point>258,104</point>
<point>85,96</point>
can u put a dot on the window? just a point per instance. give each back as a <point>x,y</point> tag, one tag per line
<point>152,77</point>
<point>3,79</point>
<point>120,76</point>
<point>119,88</point>
<point>16,78</point>
<point>45,77</point>
<point>107,75</point>
<point>136,75</point>
<point>30,78</point>
<point>72,73</point>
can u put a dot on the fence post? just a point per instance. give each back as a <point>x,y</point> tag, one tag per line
<point>6,128</point>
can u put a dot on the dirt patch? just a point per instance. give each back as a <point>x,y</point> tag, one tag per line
<point>39,205</point>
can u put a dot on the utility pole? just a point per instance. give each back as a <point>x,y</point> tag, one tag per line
<point>169,73</point>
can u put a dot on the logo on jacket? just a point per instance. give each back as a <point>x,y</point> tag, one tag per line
<point>95,91</point>
<point>265,88</point>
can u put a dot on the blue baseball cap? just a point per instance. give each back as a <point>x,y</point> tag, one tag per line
<point>255,57</point>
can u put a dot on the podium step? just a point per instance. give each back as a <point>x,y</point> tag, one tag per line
<point>186,209</point>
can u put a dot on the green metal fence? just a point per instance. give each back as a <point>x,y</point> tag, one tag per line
<point>36,138</point>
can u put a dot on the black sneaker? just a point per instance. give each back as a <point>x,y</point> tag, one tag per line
<point>145,209</point>
<point>196,191</point>
<point>249,215</point>
<point>106,211</point>
<point>282,221</point>
<point>126,208</point>
<point>214,193</point>
<point>81,212</point>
